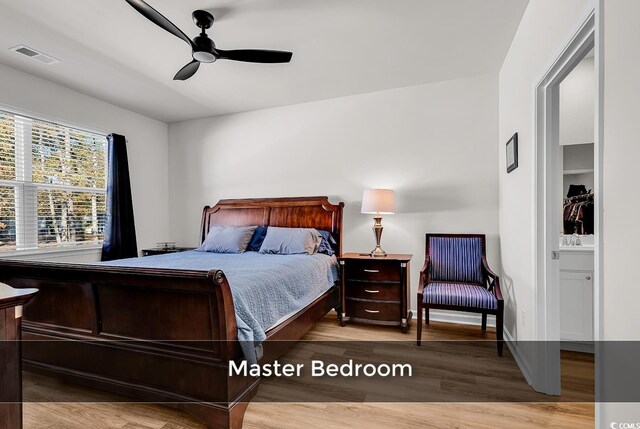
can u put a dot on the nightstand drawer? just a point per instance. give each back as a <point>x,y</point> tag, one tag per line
<point>373,310</point>
<point>373,270</point>
<point>373,291</point>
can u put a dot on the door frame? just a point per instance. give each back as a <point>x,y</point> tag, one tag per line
<point>547,207</point>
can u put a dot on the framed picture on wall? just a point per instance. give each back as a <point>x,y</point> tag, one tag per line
<point>512,153</point>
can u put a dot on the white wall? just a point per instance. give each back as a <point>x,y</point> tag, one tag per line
<point>434,144</point>
<point>577,104</point>
<point>147,145</point>
<point>578,157</point>
<point>547,25</point>
<point>621,174</point>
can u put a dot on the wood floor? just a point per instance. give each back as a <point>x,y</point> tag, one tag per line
<point>65,406</point>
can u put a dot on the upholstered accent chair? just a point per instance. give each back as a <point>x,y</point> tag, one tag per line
<point>456,276</point>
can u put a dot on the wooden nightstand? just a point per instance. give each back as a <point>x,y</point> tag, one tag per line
<point>375,290</point>
<point>162,250</point>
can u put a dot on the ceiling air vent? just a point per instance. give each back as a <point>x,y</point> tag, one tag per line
<point>33,54</point>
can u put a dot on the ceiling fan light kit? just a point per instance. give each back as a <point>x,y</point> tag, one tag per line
<point>203,49</point>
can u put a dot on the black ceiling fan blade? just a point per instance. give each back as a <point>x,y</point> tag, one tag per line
<point>187,71</point>
<point>255,55</point>
<point>157,18</point>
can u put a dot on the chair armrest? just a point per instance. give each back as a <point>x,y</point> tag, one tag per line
<point>423,275</point>
<point>496,289</point>
<point>494,277</point>
<point>487,270</point>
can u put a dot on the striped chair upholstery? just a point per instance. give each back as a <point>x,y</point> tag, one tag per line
<point>461,295</point>
<point>456,276</point>
<point>456,259</point>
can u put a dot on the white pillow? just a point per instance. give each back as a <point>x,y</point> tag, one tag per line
<point>227,239</point>
<point>291,241</point>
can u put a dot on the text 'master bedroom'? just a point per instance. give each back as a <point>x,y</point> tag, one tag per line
<point>290,214</point>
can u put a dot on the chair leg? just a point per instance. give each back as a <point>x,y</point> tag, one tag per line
<point>499,330</point>
<point>426,315</point>
<point>484,321</point>
<point>419,324</point>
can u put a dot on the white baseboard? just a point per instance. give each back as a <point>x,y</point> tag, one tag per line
<point>518,356</point>
<point>461,317</point>
<point>577,346</point>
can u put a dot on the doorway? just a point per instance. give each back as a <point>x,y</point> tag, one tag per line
<point>549,224</point>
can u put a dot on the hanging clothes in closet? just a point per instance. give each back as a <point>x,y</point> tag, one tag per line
<point>578,211</point>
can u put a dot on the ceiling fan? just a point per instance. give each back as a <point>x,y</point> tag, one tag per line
<point>203,49</point>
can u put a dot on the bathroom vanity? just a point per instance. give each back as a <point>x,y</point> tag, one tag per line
<point>576,293</point>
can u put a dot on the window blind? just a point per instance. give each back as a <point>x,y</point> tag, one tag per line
<point>52,184</point>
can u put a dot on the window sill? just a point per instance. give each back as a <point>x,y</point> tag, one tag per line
<point>66,251</point>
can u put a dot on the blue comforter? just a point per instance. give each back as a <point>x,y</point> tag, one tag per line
<point>265,288</point>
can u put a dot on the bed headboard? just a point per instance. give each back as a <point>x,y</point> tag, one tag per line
<point>292,212</point>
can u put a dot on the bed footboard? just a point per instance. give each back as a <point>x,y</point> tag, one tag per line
<point>154,335</point>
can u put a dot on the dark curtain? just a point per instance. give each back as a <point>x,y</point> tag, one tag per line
<point>120,230</point>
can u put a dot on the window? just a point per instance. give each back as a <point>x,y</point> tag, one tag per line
<point>52,184</point>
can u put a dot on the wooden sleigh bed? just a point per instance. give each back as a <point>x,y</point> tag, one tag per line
<point>159,335</point>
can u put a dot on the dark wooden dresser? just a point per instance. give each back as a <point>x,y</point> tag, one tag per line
<point>375,290</point>
<point>11,302</point>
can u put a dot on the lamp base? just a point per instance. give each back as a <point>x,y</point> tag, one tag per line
<point>377,231</point>
<point>378,252</point>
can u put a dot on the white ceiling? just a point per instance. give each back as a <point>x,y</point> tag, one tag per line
<point>341,47</point>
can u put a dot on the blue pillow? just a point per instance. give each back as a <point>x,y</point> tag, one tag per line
<point>291,241</point>
<point>256,239</point>
<point>327,243</point>
<point>227,239</point>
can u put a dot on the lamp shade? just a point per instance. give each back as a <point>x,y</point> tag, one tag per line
<point>378,201</point>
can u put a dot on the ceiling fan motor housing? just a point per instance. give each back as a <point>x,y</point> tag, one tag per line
<point>205,52</point>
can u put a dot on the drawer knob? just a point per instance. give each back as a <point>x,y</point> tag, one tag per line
<point>371,311</point>
<point>371,271</point>
<point>371,291</point>
<point>588,277</point>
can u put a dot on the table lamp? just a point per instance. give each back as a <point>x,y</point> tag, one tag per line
<point>378,202</point>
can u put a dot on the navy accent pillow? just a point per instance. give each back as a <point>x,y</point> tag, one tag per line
<point>327,243</point>
<point>256,239</point>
